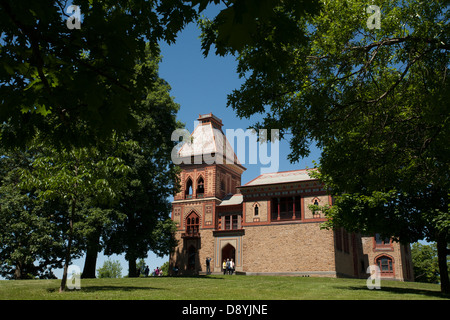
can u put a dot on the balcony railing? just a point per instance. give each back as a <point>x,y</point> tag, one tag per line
<point>190,234</point>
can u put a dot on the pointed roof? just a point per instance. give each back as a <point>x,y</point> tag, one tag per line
<point>209,142</point>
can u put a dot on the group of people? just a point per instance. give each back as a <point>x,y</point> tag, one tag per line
<point>146,270</point>
<point>227,266</point>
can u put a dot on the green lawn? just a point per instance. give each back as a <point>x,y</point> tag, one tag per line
<point>220,287</point>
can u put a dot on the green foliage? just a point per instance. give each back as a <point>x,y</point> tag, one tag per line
<point>110,269</point>
<point>425,261</point>
<point>245,23</point>
<point>31,243</point>
<point>165,268</point>
<point>152,179</point>
<point>375,101</point>
<point>54,78</point>
<point>236,288</point>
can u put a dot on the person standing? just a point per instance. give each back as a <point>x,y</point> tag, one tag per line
<point>224,266</point>
<point>231,266</point>
<point>208,265</point>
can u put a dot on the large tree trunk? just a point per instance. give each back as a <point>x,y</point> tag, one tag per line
<point>442,260</point>
<point>91,258</point>
<point>18,271</point>
<point>62,287</point>
<point>132,268</point>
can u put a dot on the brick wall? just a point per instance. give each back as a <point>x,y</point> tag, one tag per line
<point>288,248</point>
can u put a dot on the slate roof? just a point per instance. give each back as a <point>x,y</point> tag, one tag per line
<point>280,177</point>
<point>207,139</point>
<point>232,199</point>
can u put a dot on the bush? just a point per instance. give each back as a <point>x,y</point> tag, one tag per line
<point>110,269</point>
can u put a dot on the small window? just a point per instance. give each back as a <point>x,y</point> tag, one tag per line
<point>256,211</point>
<point>192,224</point>
<point>385,264</point>
<point>188,191</point>
<point>200,187</point>
<point>382,241</point>
<point>316,202</point>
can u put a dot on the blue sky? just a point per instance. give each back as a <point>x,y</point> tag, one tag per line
<point>201,86</point>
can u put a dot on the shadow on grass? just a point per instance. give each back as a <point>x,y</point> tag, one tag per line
<point>199,276</point>
<point>106,288</point>
<point>401,291</point>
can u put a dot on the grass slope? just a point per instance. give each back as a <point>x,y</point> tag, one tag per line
<point>220,287</point>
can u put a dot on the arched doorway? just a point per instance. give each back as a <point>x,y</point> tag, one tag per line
<point>228,252</point>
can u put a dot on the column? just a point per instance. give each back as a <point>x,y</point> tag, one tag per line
<point>293,208</point>
<point>278,209</point>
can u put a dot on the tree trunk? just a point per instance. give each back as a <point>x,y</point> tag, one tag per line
<point>18,271</point>
<point>62,287</point>
<point>91,259</point>
<point>132,268</point>
<point>442,260</point>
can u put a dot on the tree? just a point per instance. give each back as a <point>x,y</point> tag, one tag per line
<point>30,239</point>
<point>72,175</point>
<point>110,269</point>
<point>53,78</point>
<point>152,179</point>
<point>374,100</point>
<point>425,261</point>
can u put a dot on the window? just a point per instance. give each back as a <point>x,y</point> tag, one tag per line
<point>283,208</point>
<point>192,224</point>
<point>234,222</point>
<point>382,242</point>
<point>188,191</point>
<point>256,210</point>
<point>200,188</point>
<point>231,222</point>
<point>386,265</point>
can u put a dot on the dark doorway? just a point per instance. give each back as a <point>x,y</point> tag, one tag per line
<point>228,252</point>
<point>192,255</point>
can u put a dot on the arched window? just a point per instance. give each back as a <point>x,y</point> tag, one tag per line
<point>386,265</point>
<point>192,224</point>
<point>188,190</point>
<point>200,187</point>
<point>256,210</point>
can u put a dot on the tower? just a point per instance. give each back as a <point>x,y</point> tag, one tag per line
<point>210,171</point>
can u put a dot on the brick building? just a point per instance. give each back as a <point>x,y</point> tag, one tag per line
<point>265,226</point>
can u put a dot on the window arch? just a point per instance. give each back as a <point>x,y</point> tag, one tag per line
<point>256,210</point>
<point>188,190</point>
<point>316,201</point>
<point>192,224</point>
<point>200,187</point>
<point>386,265</point>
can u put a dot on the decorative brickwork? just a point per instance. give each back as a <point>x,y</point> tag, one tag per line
<point>281,236</point>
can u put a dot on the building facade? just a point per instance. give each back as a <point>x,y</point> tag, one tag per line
<point>266,225</point>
